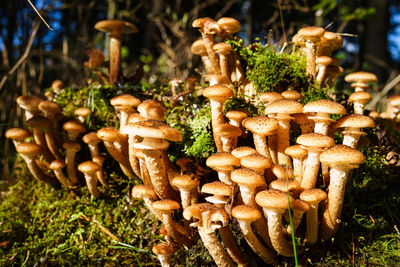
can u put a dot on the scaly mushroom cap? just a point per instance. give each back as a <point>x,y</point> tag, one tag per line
<point>274,199</point>
<point>313,195</point>
<point>296,151</point>
<point>117,27</point>
<point>223,48</point>
<point>284,186</point>
<point>341,155</point>
<point>57,164</point>
<point>186,182</point>
<point>236,115</point>
<point>222,161</point>
<point>39,122</point>
<point>199,48</point>
<point>57,85</point>
<point>88,167</point>
<point>229,25</point>
<point>82,112</point>
<point>301,205</point>
<point>323,60</point>
<point>361,77</point>
<point>144,191</point>
<point>29,149</point>
<point>247,213</point>
<point>156,129</point>
<point>166,205</point>
<point>247,177</point>
<point>331,39</point>
<point>354,121</point>
<point>219,93</point>
<point>243,151</point>
<point>227,129</point>
<point>91,138</point>
<point>163,249</point>
<point>134,117</point>
<point>324,106</point>
<point>49,107</point>
<point>312,33</point>
<point>270,97</point>
<point>74,126</point>
<point>360,97</point>
<point>255,161</point>
<point>220,191</point>
<point>29,102</point>
<point>291,95</point>
<point>284,106</point>
<point>215,216</point>
<point>152,110</point>
<point>108,134</point>
<point>315,140</point>
<point>125,100</point>
<point>17,134</point>
<point>207,26</point>
<point>260,125</point>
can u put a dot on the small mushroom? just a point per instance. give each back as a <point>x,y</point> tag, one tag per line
<point>92,141</point>
<point>359,100</point>
<point>30,104</point>
<point>74,128</point>
<point>56,166</point>
<point>100,176</point>
<point>199,48</point>
<point>89,169</point>
<point>352,125</point>
<point>125,105</point>
<point>187,185</point>
<point>223,163</point>
<point>361,77</point>
<point>71,148</point>
<point>82,113</point>
<point>164,252</point>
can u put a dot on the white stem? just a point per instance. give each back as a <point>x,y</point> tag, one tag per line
<point>358,108</point>
<point>321,128</point>
<point>311,170</point>
<point>351,140</point>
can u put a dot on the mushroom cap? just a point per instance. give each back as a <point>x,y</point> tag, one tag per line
<point>257,161</point>
<point>230,25</point>
<point>332,39</point>
<point>91,138</point>
<point>74,126</point>
<point>222,161</point>
<point>311,33</point>
<point>57,164</point>
<point>281,172</point>
<point>135,117</point>
<point>216,78</point>
<point>323,60</point>
<point>156,129</point>
<point>17,134</point>
<point>270,97</point>
<point>284,186</point>
<point>236,115</point>
<point>199,48</point>
<point>341,155</point>
<point>89,167</point>
<point>296,151</point>
<point>29,102</point>
<point>108,134</point>
<point>57,85</point>
<point>125,100</point>
<point>274,199</point>
<point>291,95</point>
<point>361,77</point>
<point>207,25</point>
<point>360,97</point>
<point>144,191</point>
<point>223,48</point>
<point>284,106</point>
<point>166,205</point>
<point>215,214</point>
<point>98,160</point>
<point>71,145</point>
<point>313,195</point>
<point>324,106</point>
<point>359,85</point>
<point>394,100</point>
<point>247,177</point>
<point>186,182</point>
<point>29,149</point>
<point>243,151</point>
<point>300,205</point>
<point>115,26</point>
<point>354,121</point>
<point>82,112</point>
<point>243,212</point>
<point>152,110</point>
<point>218,92</point>
<point>315,140</point>
<point>227,129</point>
<point>374,114</point>
<point>260,125</point>
<point>164,249</point>
<point>217,188</point>
<point>40,123</point>
<point>47,106</point>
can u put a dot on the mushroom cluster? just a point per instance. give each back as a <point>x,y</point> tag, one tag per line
<point>273,189</point>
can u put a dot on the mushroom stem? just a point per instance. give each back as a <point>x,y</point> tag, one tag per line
<point>283,141</point>
<point>260,143</point>
<point>217,118</point>
<point>311,170</point>
<point>351,140</point>
<point>115,58</point>
<point>91,182</point>
<point>171,228</point>
<point>310,53</point>
<point>273,147</point>
<point>117,154</point>
<point>312,224</point>
<point>212,55</point>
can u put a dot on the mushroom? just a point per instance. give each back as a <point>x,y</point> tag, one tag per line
<point>100,176</point>
<point>245,215</point>
<point>29,152</point>
<point>313,197</point>
<point>299,207</point>
<point>82,113</point>
<point>116,28</point>
<point>217,94</point>
<point>71,148</point>
<point>243,151</point>
<point>256,162</point>
<point>199,48</point>
<point>208,218</point>
<point>152,110</point>
<point>125,105</point>
<point>223,163</point>
<point>322,63</point>
<point>284,185</point>
<point>215,79</point>
<point>224,50</point>
<point>359,100</point>
<point>298,154</point>
<point>352,125</point>
<point>44,136</point>
<point>291,95</point>
<point>315,143</point>
<point>30,104</point>
<point>57,86</point>
<point>304,122</point>
<point>74,128</point>
<point>274,204</point>
<point>283,108</point>
<point>163,252</point>
<point>56,166</point>
<point>261,127</point>
<point>229,135</point>
<point>230,26</point>
<point>362,78</point>
<point>329,42</point>
<point>236,117</point>
<point>270,97</point>
<point>17,135</point>
<point>89,169</point>
<point>148,195</point>
<point>341,159</point>
<point>92,141</point>
<point>187,185</point>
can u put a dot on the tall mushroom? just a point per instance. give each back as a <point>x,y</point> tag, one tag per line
<point>116,28</point>
<point>199,48</point>
<point>352,125</point>
<point>125,105</point>
<point>89,169</point>
<point>71,148</point>
<point>362,78</point>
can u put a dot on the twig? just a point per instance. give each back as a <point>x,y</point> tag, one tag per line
<point>389,86</point>
<point>40,16</point>
<point>23,58</point>
<point>282,23</point>
<point>105,230</point>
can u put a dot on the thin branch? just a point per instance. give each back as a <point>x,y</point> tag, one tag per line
<point>40,16</point>
<point>389,86</point>
<point>24,57</point>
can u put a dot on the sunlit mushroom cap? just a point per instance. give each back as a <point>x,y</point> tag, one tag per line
<point>361,77</point>
<point>222,161</point>
<point>284,106</point>
<point>82,112</point>
<point>315,140</point>
<point>74,126</point>
<point>291,95</point>
<point>215,214</point>
<point>227,129</point>
<point>311,33</point>
<point>217,188</point>
<point>17,134</point>
<point>360,97</point>
<point>152,110</point>
<point>260,125</point>
<point>29,149</point>
<point>274,199</point>
<point>300,205</point>
<point>354,121</point>
<point>230,25</point>
<point>296,151</point>
<point>341,155</point>
<point>199,48</point>
<point>223,48</point>
<point>156,129</point>
<point>394,100</point>
<point>255,161</point>
<point>281,172</point>
<point>49,107</point>
<point>269,97</point>
<point>324,106</point>
<point>57,164</point>
<point>323,60</point>
<point>164,249</point>
<point>91,138</point>
<point>29,102</point>
<point>89,167</point>
<point>108,134</point>
<point>207,26</point>
<point>186,182</point>
<point>166,205</point>
<point>57,85</point>
<point>135,117</point>
<point>215,78</point>
<point>247,213</point>
<point>115,26</point>
<point>237,114</point>
<point>284,185</point>
<point>144,191</point>
<point>243,151</point>
<point>98,160</point>
<point>219,93</point>
<point>125,100</point>
<point>313,195</point>
<point>247,177</point>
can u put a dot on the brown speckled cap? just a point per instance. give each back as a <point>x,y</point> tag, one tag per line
<point>227,129</point>
<point>223,48</point>
<point>315,140</point>
<point>199,48</point>
<point>354,121</point>
<point>341,155</point>
<point>247,213</point>
<point>296,151</point>
<point>313,195</point>
<point>311,33</point>
<point>260,125</point>
<point>247,177</point>
<point>125,100</point>
<point>291,95</point>
<point>186,182</point>
<point>218,92</point>
<point>222,161</point>
<point>108,134</point>
<point>217,188</point>
<point>284,186</point>
<point>274,199</point>
<point>237,114</point>
<point>300,205</point>
<point>74,126</point>
<point>144,191</point>
<point>115,26</point>
<point>166,205</point>
<point>284,106</point>
<point>257,161</point>
<point>29,102</point>
<point>361,77</point>
<point>152,110</point>
<point>207,25</point>
<point>323,60</point>
<point>156,129</point>
<point>269,97</point>
<point>89,167</point>
<point>243,151</point>
<point>360,97</point>
<point>230,25</point>
<point>324,106</point>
